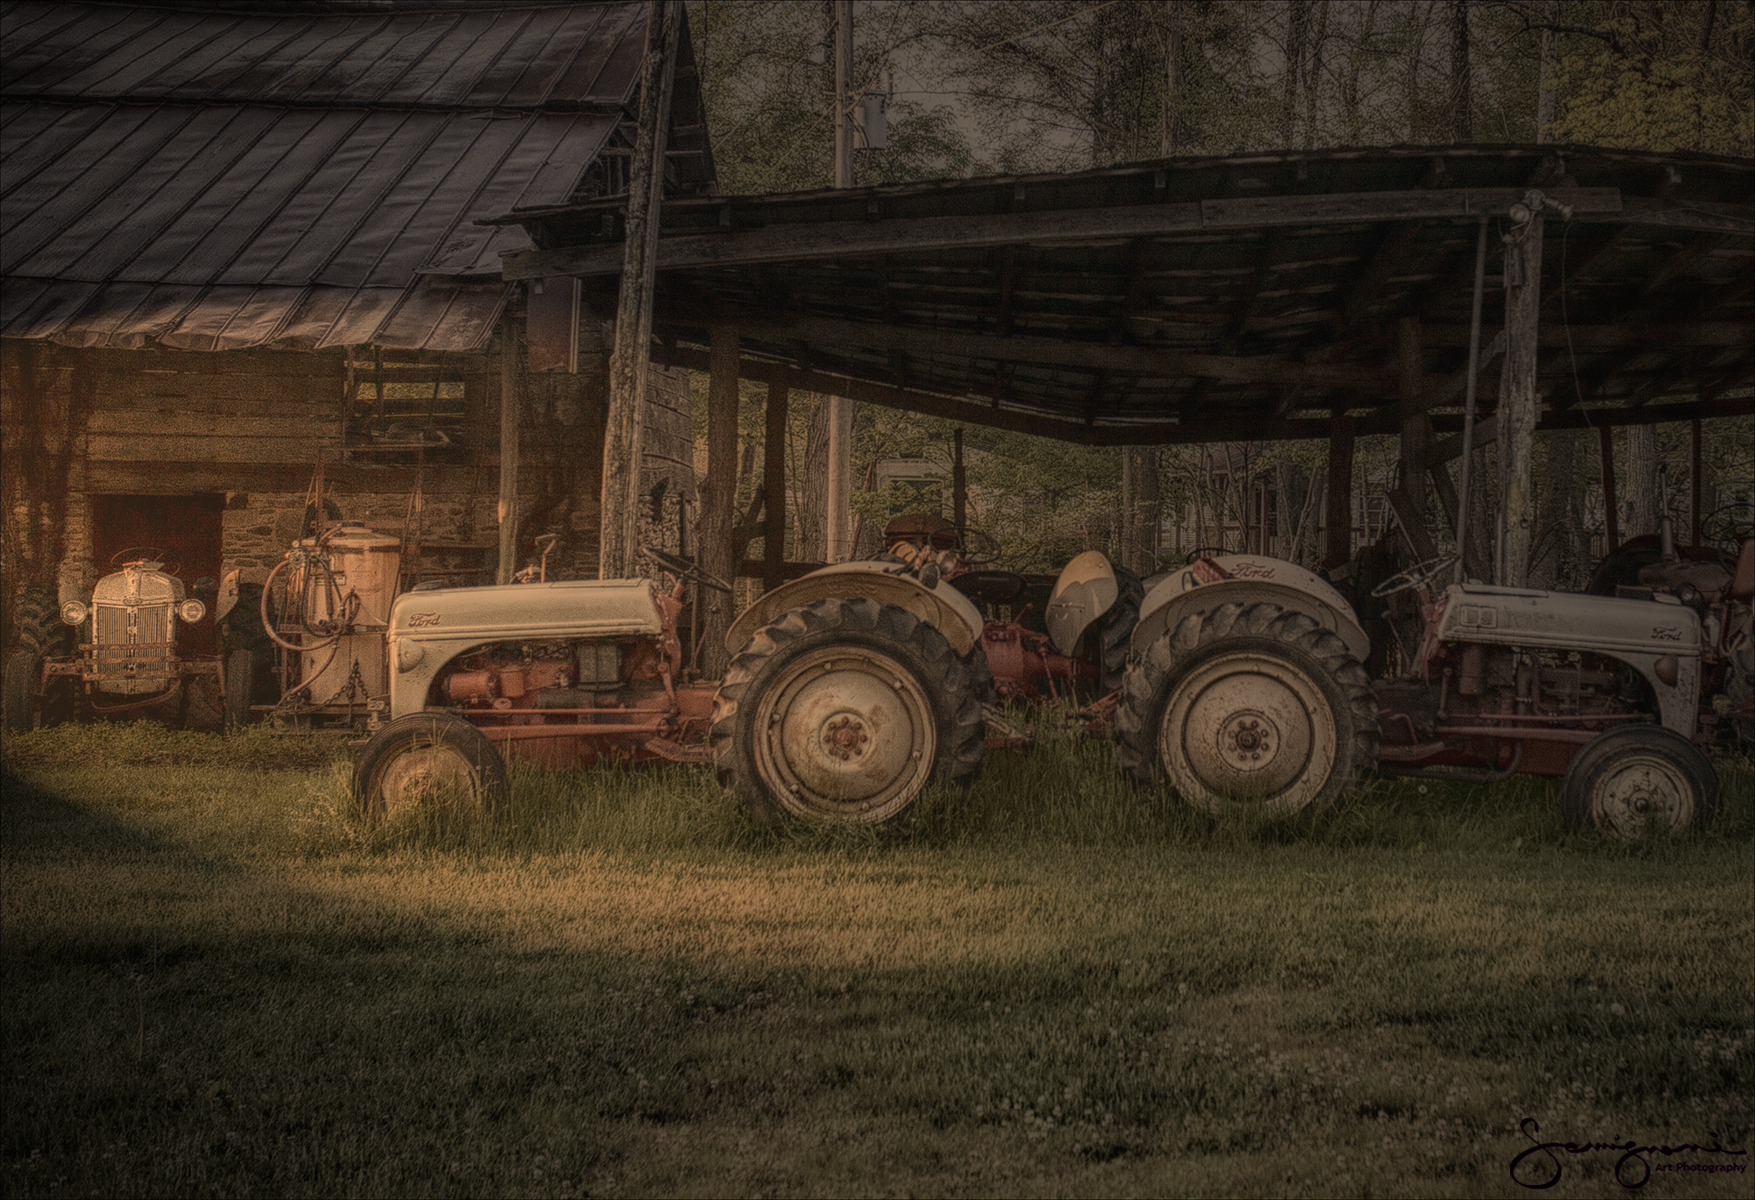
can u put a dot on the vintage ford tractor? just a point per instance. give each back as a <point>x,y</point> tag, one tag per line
<point>849,690</point>
<point>128,661</point>
<point>1246,686</point>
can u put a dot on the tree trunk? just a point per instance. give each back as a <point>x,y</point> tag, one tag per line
<point>813,498</point>
<point>1639,493</point>
<point>1550,555</point>
<point>1461,123</point>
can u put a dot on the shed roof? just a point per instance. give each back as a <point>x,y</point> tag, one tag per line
<point>1204,299</point>
<point>225,178</point>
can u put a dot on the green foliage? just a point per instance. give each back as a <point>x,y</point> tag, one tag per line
<point>1659,75</point>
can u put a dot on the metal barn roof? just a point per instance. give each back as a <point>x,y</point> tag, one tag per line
<point>1207,299</point>
<point>225,178</point>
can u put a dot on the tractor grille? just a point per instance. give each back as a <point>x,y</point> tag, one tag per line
<point>135,665</point>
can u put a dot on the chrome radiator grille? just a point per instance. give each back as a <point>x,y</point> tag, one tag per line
<point>131,663</point>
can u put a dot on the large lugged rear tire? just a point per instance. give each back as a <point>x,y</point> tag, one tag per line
<point>431,760</point>
<point>1639,779</point>
<point>1248,704</point>
<point>1118,625</point>
<point>845,709</point>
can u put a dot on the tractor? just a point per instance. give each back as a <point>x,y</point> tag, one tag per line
<point>1247,686</point>
<point>128,661</point>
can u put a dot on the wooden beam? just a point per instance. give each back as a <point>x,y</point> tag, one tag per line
<point>1089,356</point>
<point>718,499</point>
<point>774,485</point>
<point>1611,337</point>
<point>1519,401</point>
<point>1606,460</point>
<point>1416,428</point>
<point>1340,492</point>
<point>799,241</point>
<point>509,408</point>
<point>1391,248</point>
<point>636,261</point>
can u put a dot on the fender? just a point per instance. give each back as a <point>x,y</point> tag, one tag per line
<point>1245,579</point>
<point>943,607</point>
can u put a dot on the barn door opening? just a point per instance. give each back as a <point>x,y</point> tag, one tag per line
<point>187,528</point>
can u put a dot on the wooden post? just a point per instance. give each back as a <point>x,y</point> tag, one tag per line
<point>1416,429</point>
<point>774,489</point>
<point>1611,517</point>
<point>960,493</point>
<point>718,499</point>
<point>620,545</point>
<point>1340,491</point>
<point>1515,422</point>
<point>1694,487</point>
<point>508,510</point>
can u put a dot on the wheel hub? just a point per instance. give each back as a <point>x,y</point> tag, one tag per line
<point>1247,741</point>
<point>1646,792</point>
<point>845,737</point>
<point>424,775</point>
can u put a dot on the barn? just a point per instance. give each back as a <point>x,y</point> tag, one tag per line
<point>244,283</point>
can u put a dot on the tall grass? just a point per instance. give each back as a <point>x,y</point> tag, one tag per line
<point>220,980</point>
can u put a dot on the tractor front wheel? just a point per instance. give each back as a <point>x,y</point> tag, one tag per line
<point>1639,779</point>
<point>23,672</point>
<point>431,761</point>
<point>845,709</point>
<point>1248,704</point>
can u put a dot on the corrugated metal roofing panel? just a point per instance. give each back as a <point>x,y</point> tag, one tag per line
<point>224,179</point>
<point>530,57</point>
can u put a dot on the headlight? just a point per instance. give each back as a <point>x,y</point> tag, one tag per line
<point>191,611</point>
<point>73,612</point>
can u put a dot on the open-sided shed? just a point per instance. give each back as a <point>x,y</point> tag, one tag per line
<point>1277,295</point>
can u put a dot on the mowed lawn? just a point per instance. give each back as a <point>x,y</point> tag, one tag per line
<point>218,982</point>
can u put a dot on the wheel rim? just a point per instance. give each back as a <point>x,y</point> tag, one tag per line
<point>1642,793</point>
<point>847,733</point>
<point>434,775</point>
<point>1248,728</point>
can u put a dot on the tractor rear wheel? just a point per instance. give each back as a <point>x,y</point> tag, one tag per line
<point>1639,779</point>
<point>845,710</point>
<point>240,682</point>
<point>1117,632</point>
<point>428,760</point>
<point>1248,704</point>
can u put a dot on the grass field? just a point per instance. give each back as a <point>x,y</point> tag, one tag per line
<point>218,982</point>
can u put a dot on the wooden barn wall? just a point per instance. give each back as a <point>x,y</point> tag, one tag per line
<point>250,424</point>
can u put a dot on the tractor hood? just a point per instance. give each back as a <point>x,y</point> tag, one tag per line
<point>528,612</point>
<point>1567,621</point>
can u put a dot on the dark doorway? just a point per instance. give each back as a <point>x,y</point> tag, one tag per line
<point>186,528</point>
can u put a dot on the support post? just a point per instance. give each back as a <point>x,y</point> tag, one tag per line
<point>620,547</point>
<point>1466,534</point>
<point>1340,491</point>
<point>1611,515</point>
<point>508,510</point>
<point>718,499</point>
<point>837,503</point>
<point>1416,429</point>
<point>1516,418</point>
<point>1694,485</point>
<point>774,489</point>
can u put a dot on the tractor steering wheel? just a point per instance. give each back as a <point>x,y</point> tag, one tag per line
<point>976,547</point>
<point>145,554</point>
<point>685,570</point>
<point>1728,527</point>
<point>1415,576</point>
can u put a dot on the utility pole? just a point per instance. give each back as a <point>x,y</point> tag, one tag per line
<point>619,548</point>
<point>838,501</point>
